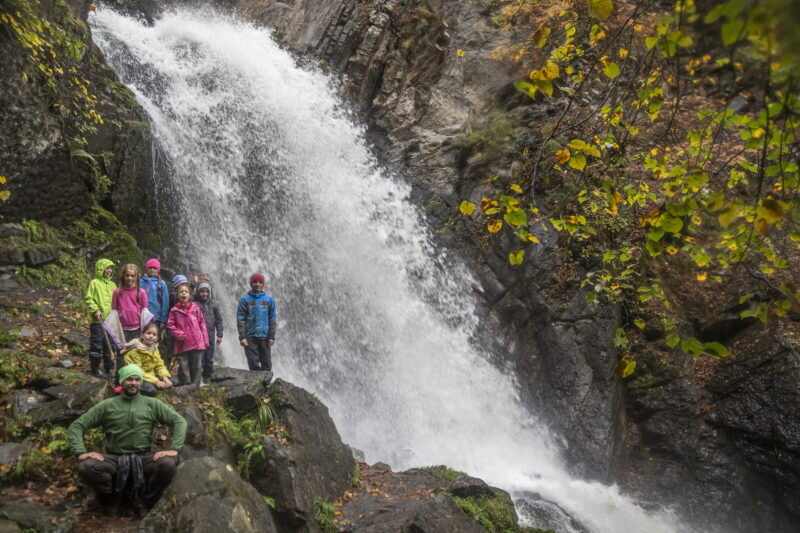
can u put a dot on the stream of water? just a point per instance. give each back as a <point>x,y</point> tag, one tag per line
<point>263,170</point>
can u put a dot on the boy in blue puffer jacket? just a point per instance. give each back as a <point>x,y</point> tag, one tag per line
<point>256,321</point>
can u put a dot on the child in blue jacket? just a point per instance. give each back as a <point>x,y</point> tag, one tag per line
<point>256,321</point>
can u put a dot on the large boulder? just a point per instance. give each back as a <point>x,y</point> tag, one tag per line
<point>207,496</point>
<point>243,388</point>
<point>30,516</point>
<point>315,464</point>
<point>70,402</point>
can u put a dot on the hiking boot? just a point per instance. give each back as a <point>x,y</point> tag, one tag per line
<point>94,361</point>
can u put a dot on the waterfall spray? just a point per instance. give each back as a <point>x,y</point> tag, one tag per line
<point>268,172</point>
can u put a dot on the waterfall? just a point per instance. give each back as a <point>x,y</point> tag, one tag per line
<point>265,171</point>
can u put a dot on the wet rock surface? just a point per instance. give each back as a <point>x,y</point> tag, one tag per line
<point>29,516</point>
<point>315,464</point>
<point>208,496</point>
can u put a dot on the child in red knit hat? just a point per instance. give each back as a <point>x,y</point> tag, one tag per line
<point>256,320</point>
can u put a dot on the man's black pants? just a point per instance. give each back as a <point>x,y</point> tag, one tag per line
<point>258,353</point>
<point>100,476</point>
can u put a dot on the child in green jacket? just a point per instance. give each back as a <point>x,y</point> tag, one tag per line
<point>98,301</point>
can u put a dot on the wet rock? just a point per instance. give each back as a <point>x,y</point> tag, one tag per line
<point>11,229</point>
<point>12,256</point>
<point>66,363</point>
<point>546,515</point>
<point>74,338</point>
<point>438,515</point>
<point>466,487</point>
<point>227,374</point>
<point>22,402</point>
<point>207,496</point>
<point>10,452</point>
<point>242,396</point>
<point>7,526</point>
<point>315,464</point>
<point>70,402</point>
<point>41,255</point>
<point>27,332</point>
<point>56,375</point>
<point>36,517</point>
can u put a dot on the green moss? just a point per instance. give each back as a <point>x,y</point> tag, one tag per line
<point>19,369</point>
<point>495,513</point>
<point>443,472</point>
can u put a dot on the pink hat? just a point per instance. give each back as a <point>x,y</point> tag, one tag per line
<point>153,263</point>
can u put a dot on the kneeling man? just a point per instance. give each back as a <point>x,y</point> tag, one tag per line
<point>128,472</point>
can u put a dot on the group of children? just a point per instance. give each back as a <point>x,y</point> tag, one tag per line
<point>146,324</point>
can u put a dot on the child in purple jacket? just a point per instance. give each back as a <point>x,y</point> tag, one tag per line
<point>188,329</point>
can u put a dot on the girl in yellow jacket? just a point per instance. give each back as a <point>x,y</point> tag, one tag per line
<point>144,353</point>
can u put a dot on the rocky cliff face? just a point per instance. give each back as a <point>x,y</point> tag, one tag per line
<point>72,135</point>
<point>716,437</point>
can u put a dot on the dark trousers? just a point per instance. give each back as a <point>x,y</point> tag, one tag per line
<point>258,353</point>
<point>148,389</point>
<point>189,369</point>
<point>208,358</point>
<point>100,476</point>
<point>98,347</point>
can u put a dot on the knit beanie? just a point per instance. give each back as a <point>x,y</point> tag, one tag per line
<point>129,370</point>
<point>257,277</point>
<point>204,285</point>
<point>179,280</point>
<point>153,263</point>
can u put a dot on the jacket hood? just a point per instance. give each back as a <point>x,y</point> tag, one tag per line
<point>137,344</point>
<point>100,267</point>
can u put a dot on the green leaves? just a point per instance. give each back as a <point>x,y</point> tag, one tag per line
<point>516,258</point>
<point>600,9</point>
<point>611,69</point>
<point>466,208</point>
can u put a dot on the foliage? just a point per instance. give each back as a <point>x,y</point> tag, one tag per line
<point>246,434</point>
<point>325,515</point>
<point>443,472</point>
<point>680,124</point>
<point>495,513</point>
<point>355,476</point>
<point>50,444</point>
<point>8,336</point>
<point>54,43</point>
<point>19,370</point>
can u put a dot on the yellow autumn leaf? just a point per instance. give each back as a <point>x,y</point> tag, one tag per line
<point>600,9</point>
<point>539,37</point>
<point>577,161</point>
<point>533,238</point>
<point>467,208</point>
<point>761,225</point>
<point>515,258</point>
<point>516,188</point>
<point>460,52</point>
<point>2,180</point>
<point>771,210</point>
<point>562,156</point>
<point>494,226</point>
<point>623,53</point>
<point>702,276</point>
<point>551,70</point>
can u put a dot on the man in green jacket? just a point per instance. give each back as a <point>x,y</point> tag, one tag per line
<point>128,470</point>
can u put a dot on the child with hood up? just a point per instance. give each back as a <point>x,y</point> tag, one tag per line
<point>213,317</point>
<point>189,333</point>
<point>98,301</point>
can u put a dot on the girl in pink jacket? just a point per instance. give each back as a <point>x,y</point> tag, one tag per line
<point>129,300</point>
<point>188,329</point>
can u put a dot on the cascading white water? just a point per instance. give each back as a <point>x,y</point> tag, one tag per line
<point>266,172</point>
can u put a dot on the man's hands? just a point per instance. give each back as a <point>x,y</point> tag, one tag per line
<point>164,453</point>
<point>243,342</point>
<point>98,315</point>
<point>270,342</point>
<point>165,383</point>
<point>91,455</point>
